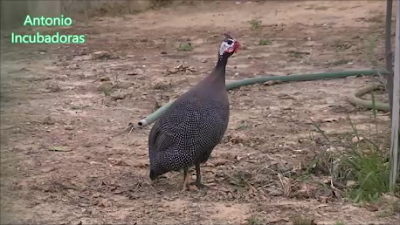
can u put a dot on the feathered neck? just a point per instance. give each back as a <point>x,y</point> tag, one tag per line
<point>221,65</point>
<point>217,76</point>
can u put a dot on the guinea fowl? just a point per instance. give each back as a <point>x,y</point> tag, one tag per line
<point>186,134</point>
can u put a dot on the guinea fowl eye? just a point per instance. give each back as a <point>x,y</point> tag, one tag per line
<point>229,42</point>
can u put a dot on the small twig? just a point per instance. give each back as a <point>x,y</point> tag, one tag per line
<point>60,149</point>
<point>130,127</point>
<point>336,190</point>
<point>267,168</point>
<point>286,184</point>
<point>319,130</point>
<point>146,182</point>
<point>116,78</point>
<point>382,80</point>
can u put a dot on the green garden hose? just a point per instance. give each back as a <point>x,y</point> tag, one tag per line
<point>353,98</point>
<point>356,100</point>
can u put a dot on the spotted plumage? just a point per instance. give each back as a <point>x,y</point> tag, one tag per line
<point>186,134</point>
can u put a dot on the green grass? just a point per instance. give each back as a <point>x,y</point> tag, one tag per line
<point>340,62</point>
<point>185,47</point>
<point>264,42</point>
<point>340,45</point>
<point>295,54</point>
<point>371,52</point>
<point>369,171</point>
<point>107,88</point>
<point>158,4</point>
<point>252,220</point>
<point>243,126</point>
<point>302,221</point>
<point>255,24</point>
<point>362,163</point>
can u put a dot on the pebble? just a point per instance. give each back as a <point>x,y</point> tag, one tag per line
<point>63,77</point>
<point>330,101</point>
<point>68,127</point>
<point>104,78</point>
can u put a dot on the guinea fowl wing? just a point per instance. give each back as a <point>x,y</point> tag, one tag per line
<point>175,127</point>
<point>159,140</point>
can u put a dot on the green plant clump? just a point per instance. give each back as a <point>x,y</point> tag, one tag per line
<point>255,24</point>
<point>363,167</point>
<point>264,42</point>
<point>185,47</point>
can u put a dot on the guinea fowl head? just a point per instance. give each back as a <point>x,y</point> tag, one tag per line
<point>228,46</point>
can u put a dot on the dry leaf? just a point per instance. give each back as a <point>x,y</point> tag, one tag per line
<point>224,189</point>
<point>252,190</point>
<point>278,220</point>
<point>286,185</point>
<point>271,82</point>
<point>355,139</point>
<point>297,167</point>
<point>219,161</point>
<point>371,208</point>
<point>323,199</point>
<point>104,203</point>
<point>389,198</point>
<point>350,183</point>
<point>306,190</point>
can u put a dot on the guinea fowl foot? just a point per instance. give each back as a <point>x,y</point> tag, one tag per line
<point>199,185</point>
<point>185,188</point>
<point>186,178</point>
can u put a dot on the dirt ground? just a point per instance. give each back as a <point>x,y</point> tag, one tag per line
<point>79,99</point>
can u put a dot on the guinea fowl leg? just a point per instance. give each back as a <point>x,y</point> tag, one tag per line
<point>198,178</point>
<point>186,178</point>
